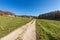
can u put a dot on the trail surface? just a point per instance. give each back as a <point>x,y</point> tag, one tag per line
<point>26,32</point>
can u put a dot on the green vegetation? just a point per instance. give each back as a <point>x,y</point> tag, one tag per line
<point>8,24</point>
<point>48,29</point>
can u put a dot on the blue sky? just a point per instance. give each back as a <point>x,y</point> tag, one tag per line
<point>29,7</point>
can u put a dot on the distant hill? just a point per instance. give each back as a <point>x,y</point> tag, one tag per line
<point>27,16</point>
<point>51,15</point>
<point>3,13</point>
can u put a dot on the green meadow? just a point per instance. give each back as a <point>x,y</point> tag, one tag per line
<point>48,29</point>
<point>8,24</point>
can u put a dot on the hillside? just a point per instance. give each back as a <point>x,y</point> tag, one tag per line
<point>3,13</point>
<point>51,15</point>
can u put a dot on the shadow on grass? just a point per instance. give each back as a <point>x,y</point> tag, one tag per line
<point>51,37</point>
<point>52,19</point>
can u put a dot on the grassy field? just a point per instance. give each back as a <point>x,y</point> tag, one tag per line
<point>8,24</point>
<point>48,29</point>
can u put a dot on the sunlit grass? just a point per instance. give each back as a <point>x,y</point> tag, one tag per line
<point>48,29</point>
<point>8,24</point>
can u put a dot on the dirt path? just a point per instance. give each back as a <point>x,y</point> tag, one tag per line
<point>30,34</point>
<point>26,32</point>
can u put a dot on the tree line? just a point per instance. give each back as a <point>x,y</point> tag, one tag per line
<point>51,15</point>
